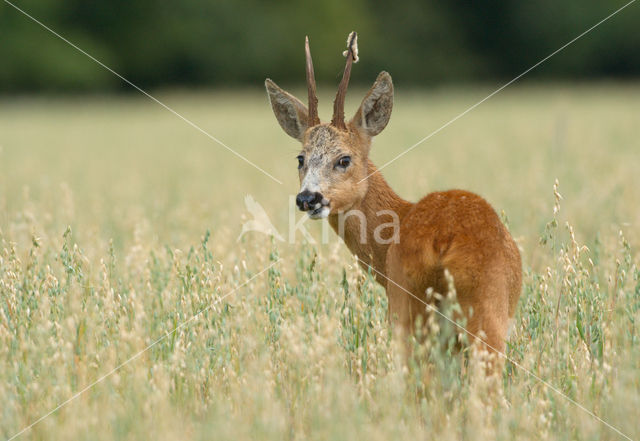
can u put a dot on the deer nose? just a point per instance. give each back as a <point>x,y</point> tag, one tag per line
<point>307,200</point>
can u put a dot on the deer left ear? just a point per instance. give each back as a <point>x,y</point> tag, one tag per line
<point>289,111</point>
<point>375,111</point>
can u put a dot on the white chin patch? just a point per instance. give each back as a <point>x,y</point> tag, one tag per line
<point>319,213</point>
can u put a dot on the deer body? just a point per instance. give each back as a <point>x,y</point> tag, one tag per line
<point>453,230</point>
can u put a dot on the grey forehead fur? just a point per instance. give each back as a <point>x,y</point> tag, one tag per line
<point>322,134</point>
<point>322,144</point>
<point>322,141</point>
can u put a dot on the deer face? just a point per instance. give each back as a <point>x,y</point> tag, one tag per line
<point>333,163</point>
<point>330,166</point>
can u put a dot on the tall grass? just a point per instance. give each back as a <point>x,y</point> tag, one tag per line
<point>117,225</point>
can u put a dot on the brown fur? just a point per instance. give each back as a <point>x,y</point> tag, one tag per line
<point>454,230</point>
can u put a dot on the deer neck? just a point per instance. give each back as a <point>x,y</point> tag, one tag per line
<point>368,229</point>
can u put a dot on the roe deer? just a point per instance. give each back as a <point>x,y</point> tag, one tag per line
<point>454,230</point>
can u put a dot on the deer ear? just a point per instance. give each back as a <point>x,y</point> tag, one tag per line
<point>291,114</point>
<point>375,110</point>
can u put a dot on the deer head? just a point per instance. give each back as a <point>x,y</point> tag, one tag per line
<point>335,156</point>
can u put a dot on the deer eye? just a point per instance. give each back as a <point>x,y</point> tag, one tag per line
<point>300,159</point>
<point>344,162</point>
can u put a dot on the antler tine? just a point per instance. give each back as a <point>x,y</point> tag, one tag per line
<point>338,105</point>
<point>311,87</point>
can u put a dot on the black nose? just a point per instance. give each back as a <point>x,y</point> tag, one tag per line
<point>307,200</point>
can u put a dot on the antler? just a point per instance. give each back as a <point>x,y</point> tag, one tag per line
<point>311,87</point>
<point>338,105</point>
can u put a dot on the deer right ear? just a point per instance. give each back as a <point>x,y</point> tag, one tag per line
<point>291,114</point>
<point>375,111</point>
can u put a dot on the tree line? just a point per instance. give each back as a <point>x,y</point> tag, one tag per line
<point>161,43</point>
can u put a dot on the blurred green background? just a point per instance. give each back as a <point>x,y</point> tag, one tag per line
<point>223,43</point>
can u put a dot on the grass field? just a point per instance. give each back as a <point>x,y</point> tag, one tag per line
<point>118,223</point>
